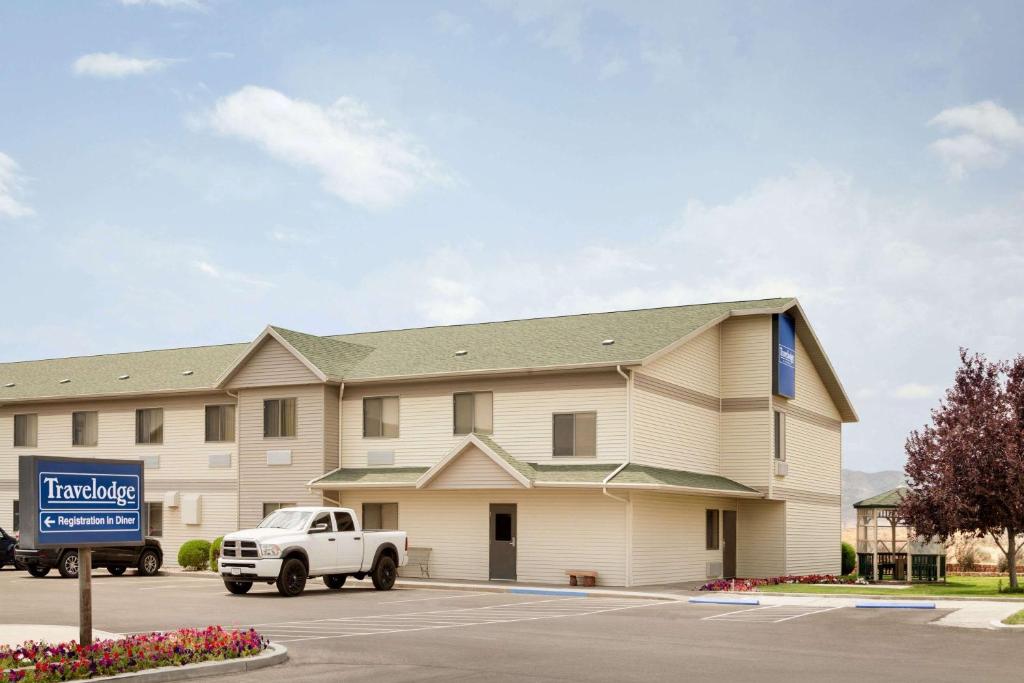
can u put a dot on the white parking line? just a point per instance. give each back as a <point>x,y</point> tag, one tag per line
<point>445,597</point>
<point>321,629</point>
<point>770,614</point>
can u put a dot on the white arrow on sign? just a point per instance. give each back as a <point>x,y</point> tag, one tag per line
<point>48,522</point>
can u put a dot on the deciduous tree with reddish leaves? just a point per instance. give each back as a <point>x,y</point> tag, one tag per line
<point>965,470</point>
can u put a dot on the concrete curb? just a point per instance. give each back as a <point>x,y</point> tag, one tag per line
<point>868,596</point>
<point>274,654</point>
<point>999,624</point>
<point>540,590</point>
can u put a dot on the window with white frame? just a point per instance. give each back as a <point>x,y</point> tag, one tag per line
<point>279,417</point>
<point>574,435</point>
<point>155,519</point>
<point>380,417</point>
<point>149,425</point>
<point>26,430</point>
<point>474,412</point>
<point>220,423</point>
<point>85,428</point>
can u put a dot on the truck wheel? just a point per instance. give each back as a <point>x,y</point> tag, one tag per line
<point>238,587</point>
<point>384,574</point>
<point>292,579</point>
<point>116,571</point>
<point>37,571</point>
<point>335,581</point>
<point>149,563</point>
<point>68,565</point>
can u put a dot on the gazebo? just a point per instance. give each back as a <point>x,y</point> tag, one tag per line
<point>885,555</point>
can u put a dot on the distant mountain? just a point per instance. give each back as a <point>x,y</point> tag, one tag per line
<point>860,485</point>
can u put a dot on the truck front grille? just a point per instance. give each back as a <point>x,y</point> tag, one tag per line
<point>239,549</point>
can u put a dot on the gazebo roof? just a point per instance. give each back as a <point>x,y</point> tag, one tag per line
<point>889,499</point>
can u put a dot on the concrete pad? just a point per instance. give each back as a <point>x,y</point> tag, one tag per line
<point>899,604</point>
<point>725,600</point>
<point>13,635</point>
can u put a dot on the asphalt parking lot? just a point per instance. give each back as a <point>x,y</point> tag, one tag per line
<point>428,634</point>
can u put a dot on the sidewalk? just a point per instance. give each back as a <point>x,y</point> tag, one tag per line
<point>12,635</point>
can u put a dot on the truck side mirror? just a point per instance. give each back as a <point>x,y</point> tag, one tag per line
<point>318,528</point>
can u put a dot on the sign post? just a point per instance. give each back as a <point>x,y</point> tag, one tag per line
<point>81,503</point>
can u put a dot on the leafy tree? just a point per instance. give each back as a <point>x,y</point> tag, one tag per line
<point>965,470</point>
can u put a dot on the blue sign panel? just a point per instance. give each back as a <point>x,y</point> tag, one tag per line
<point>784,355</point>
<point>89,502</point>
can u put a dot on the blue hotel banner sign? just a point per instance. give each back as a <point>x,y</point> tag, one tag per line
<point>784,355</point>
<point>81,502</point>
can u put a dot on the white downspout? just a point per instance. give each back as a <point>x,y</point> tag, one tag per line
<point>628,502</point>
<point>238,459</point>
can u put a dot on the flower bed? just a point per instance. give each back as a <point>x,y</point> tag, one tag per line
<point>743,585</point>
<point>32,662</point>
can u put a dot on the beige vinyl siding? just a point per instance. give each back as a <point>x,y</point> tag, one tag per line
<point>813,442</point>
<point>183,453</point>
<point>669,543</point>
<point>670,431</point>
<point>332,429</point>
<point>812,538</point>
<point>522,416</point>
<point>472,469</point>
<point>761,538</point>
<point>219,509</point>
<point>261,482</point>
<point>746,373</point>
<point>556,531</point>
<point>272,365</point>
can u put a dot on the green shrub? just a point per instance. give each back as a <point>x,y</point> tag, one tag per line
<point>215,552</point>
<point>194,554</point>
<point>849,558</point>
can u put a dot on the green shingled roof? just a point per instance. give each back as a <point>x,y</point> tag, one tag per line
<point>889,499</point>
<point>539,474</point>
<point>535,343</point>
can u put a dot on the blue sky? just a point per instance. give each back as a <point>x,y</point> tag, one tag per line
<point>181,172</point>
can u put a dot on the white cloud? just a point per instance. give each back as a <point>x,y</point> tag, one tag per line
<point>616,66</point>
<point>218,273</point>
<point>11,182</point>
<point>916,391</point>
<point>360,158</point>
<point>113,65</point>
<point>556,24</point>
<point>983,135</point>
<point>168,4</point>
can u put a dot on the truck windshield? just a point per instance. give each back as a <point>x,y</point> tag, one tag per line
<point>286,519</point>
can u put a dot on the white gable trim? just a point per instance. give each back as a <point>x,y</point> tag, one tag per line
<point>268,332</point>
<point>459,449</point>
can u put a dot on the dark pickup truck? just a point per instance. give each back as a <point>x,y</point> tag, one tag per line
<point>7,543</point>
<point>147,559</point>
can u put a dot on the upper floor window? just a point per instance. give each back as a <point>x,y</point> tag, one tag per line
<point>149,425</point>
<point>575,434</point>
<point>279,417</point>
<point>779,445</point>
<point>474,412</point>
<point>26,430</point>
<point>220,423</point>
<point>84,428</point>
<point>380,416</point>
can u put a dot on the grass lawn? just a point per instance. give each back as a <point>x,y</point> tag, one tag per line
<point>1016,619</point>
<point>955,585</point>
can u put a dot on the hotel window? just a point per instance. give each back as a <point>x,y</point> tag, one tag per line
<point>26,429</point>
<point>779,445</point>
<point>84,428</point>
<point>17,517</point>
<point>380,417</point>
<point>279,417</point>
<point>155,517</point>
<point>474,413</point>
<point>711,529</point>
<point>220,423</point>
<point>149,425</point>
<point>382,516</point>
<point>269,508</point>
<point>575,434</point>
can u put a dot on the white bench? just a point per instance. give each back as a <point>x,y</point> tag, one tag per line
<point>419,561</point>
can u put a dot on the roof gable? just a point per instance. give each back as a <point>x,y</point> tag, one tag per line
<point>476,462</point>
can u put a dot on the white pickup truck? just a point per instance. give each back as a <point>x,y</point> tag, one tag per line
<point>298,543</point>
